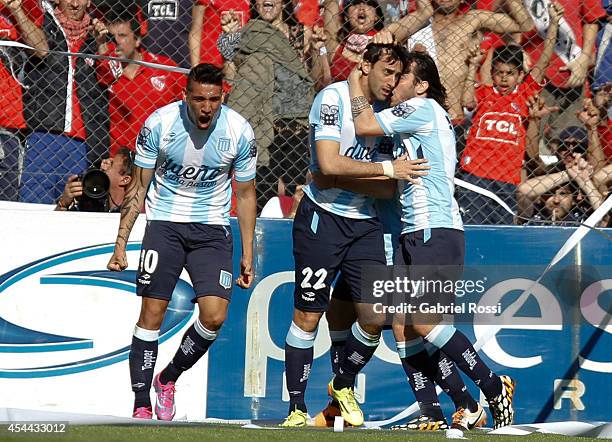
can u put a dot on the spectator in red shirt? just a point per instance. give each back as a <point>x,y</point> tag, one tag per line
<point>64,105</point>
<point>11,108</point>
<point>496,143</point>
<point>135,91</point>
<point>206,27</point>
<point>574,54</point>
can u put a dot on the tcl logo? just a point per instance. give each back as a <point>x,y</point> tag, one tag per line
<point>163,10</point>
<point>502,127</point>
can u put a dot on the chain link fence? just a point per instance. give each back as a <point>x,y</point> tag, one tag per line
<point>528,85</point>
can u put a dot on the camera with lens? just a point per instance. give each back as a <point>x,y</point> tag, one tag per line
<point>95,191</point>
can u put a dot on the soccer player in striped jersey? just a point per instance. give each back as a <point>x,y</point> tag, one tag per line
<point>337,229</point>
<point>432,233</point>
<point>186,154</point>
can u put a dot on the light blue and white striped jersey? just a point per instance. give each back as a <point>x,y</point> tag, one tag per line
<point>331,119</point>
<point>192,181</point>
<point>423,129</point>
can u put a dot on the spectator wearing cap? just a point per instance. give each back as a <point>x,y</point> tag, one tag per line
<point>570,195</point>
<point>64,106</point>
<point>573,189</point>
<point>135,91</point>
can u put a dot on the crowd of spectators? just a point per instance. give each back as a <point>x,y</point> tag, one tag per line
<point>528,83</point>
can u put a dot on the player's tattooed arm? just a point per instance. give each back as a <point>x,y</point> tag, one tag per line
<point>358,105</point>
<point>130,209</point>
<point>363,114</point>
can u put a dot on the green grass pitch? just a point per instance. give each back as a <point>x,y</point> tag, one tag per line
<point>224,433</point>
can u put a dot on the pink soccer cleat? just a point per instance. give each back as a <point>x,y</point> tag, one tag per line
<point>164,404</point>
<point>143,413</point>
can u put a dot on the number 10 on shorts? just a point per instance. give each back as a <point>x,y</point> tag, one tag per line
<point>148,260</point>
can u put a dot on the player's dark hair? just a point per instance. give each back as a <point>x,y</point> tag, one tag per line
<point>509,54</point>
<point>376,52</point>
<point>205,73</point>
<point>345,29</point>
<point>128,159</point>
<point>424,69</point>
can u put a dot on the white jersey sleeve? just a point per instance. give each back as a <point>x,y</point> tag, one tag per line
<point>407,117</point>
<point>326,115</point>
<point>148,142</point>
<point>246,159</point>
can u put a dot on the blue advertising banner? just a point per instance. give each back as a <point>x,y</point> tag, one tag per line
<point>560,360</point>
<point>65,320</point>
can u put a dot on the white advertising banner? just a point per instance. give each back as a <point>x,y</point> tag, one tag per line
<point>66,323</point>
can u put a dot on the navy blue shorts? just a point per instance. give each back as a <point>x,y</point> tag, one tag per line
<point>433,255</point>
<point>205,251</point>
<point>443,247</point>
<point>324,244</point>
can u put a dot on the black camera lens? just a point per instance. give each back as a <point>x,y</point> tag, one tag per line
<point>95,184</point>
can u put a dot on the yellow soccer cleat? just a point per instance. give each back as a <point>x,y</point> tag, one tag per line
<point>296,419</point>
<point>501,406</point>
<point>423,423</point>
<point>349,409</point>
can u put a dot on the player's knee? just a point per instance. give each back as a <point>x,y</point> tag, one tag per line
<point>422,329</point>
<point>306,321</point>
<point>398,331</point>
<point>372,328</point>
<point>152,313</point>
<point>299,338</point>
<point>213,321</point>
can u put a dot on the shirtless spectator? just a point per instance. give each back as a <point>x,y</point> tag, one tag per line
<point>11,106</point>
<point>451,34</point>
<point>135,91</point>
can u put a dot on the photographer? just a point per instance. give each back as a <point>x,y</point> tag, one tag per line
<point>119,172</point>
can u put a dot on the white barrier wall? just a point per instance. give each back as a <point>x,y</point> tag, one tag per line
<point>92,315</point>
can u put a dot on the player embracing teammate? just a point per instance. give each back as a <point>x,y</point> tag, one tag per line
<point>337,229</point>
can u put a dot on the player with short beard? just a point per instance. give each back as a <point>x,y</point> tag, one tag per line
<point>337,230</point>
